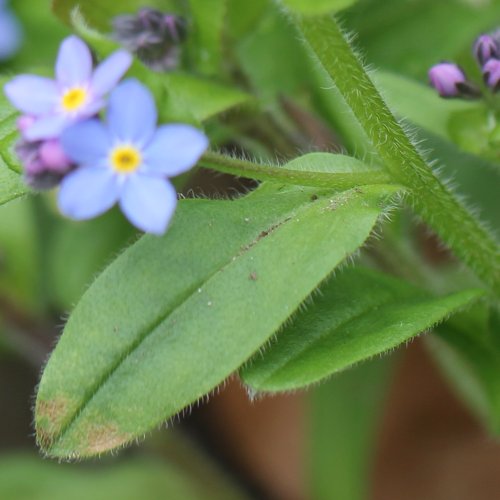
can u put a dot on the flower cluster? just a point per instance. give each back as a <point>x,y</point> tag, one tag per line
<point>10,32</point>
<point>125,160</point>
<point>153,36</point>
<point>450,80</point>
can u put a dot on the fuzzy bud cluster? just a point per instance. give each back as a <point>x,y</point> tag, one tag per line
<point>153,36</point>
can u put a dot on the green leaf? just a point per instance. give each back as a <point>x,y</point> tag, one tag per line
<point>272,57</point>
<point>468,348</point>
<point>133,479</point>
<point>360,314</point>
<point>242,17</point>
<point>11,184</point>
<point>206,34</point>
<point>172,317</point>
<point>200,98</point>
<point>426,31</point>
<point>91,244</point>
<point>345,416</point>
<point>19,253</point>
<point>318,6</point>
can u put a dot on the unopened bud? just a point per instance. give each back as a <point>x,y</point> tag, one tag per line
<point>53,157</point>
<point>491,74</point>
<point>153,36</point>
<point>44,163</point>
<point>24,122</point>
<point>450,81</point>
<point>485,48</point>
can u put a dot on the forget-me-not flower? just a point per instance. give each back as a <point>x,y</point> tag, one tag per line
<point>77,93</point>
<point>127,161</point>
<point>10,32</point>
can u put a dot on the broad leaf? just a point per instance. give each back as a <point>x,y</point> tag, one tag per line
<point>172,317</point>
<point>358,315</point>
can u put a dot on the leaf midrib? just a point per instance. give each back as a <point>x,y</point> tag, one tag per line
<point>271,227</point>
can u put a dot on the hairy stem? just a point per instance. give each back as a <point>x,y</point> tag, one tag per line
<point>251,170</point>
<point>431,199</point>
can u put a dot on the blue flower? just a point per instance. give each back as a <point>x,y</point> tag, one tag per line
<point>127,161</point>
<point>77,93</point>
<point>10,33</point>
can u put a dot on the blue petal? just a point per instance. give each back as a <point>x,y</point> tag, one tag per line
<point>109,72</point>
<point>46,127</point>
<point>175,149</point>
<point>86,143</point>
<point>33,95</point>
<point>10,39</point>
<point>148,202</point>
<point>88,192</point>
<point>132,113</point>
<point>74,63</point>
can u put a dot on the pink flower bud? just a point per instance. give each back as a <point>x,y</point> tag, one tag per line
<point>491,74</point>
<point>52,155</point>
<point>445,77</point>
<point>485,48</point>
<point>24,122</point>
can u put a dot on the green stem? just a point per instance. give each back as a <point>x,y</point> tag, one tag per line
<point>260,172</point>
<point>439,208</point>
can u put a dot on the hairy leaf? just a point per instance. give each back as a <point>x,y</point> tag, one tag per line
<point>172,317</point>
<point>360,314</point>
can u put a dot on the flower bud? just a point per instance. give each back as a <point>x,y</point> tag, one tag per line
<point>485,48</point>
<point>153,36</point>
<point>53,157</point>
<point>44,163</point>
<point>450,81</point>
<point>491,74</point>
<point>24,122</point>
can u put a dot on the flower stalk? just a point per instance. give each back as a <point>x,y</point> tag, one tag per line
<point>261,172</point>
<point>430,198</point>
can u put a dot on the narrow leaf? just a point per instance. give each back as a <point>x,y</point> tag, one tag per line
<point>360,314</point>
<point>172,317</point>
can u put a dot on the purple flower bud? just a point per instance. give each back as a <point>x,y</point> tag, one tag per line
<point>153,36</point>
<point>491,74</point>
<point>24,122</point>
<point>485,48</point>
<point>44,163</point>
<point>53,157</point>
<point>450,81</point>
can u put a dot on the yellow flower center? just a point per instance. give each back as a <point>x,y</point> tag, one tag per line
<point>74,98</point>
<point>125,159</point>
